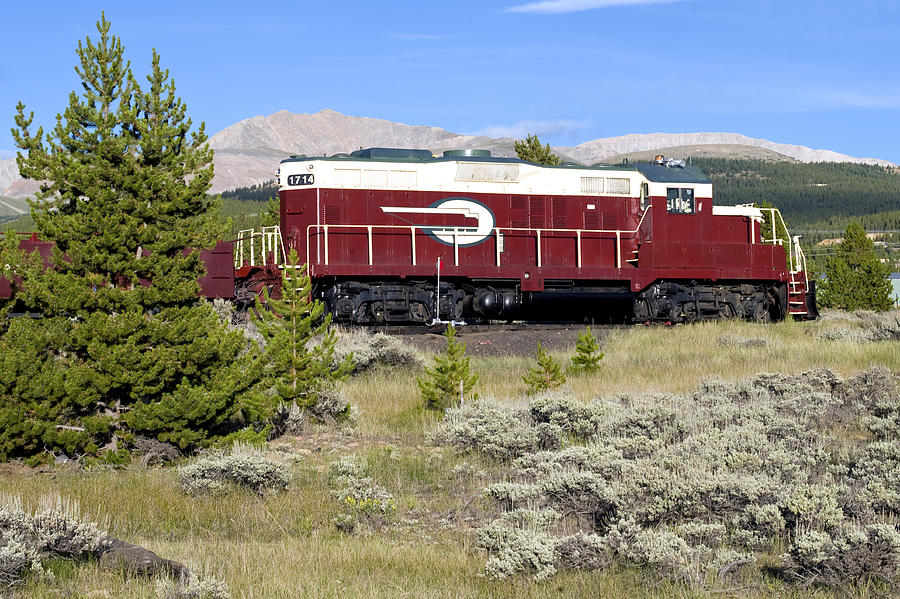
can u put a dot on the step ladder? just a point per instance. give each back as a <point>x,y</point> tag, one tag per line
<point>798,285</point>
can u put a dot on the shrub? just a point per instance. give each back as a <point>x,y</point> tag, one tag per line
<point>854,554</point>
<point>375,351</point>
<point>55,529</point>
<point>583,551</point>
<point>695,487</point>
<point>58,529</point>
<point>736,341</point>
<point>517,550</point>
<point>331,407</point>
<point>561,409</point>
<point>864,326</point>
<point>193,587</point>
<point>362,500</point>
<point>15,559</point>
<point>243,466</point>
<point>155,452</point>
<point>488,427</point>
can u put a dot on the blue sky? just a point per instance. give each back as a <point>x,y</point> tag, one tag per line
<point>820,74</point>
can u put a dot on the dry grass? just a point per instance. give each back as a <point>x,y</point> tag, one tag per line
<point>287,546</point>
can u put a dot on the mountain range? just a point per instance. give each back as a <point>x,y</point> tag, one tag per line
<point>248,152</point>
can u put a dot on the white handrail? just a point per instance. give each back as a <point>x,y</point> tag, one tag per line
<point>795,266</point>
<point>620,234</point>
<point>268,242</point>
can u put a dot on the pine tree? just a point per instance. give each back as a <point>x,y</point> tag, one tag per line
<point>546,375</point>
<point>586,359</point>
<point>530,149</point>
<point>449,380</point>
<point>773,228</point>
<point>123,196</point>
<point>299,341</point>
<point>855,278</point>
<point>15,266</point>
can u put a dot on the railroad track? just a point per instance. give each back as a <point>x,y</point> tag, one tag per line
<point>400,330</point>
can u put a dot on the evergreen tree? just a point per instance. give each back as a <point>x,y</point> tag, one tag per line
<point>15,266</point>
<point>123,196</point>
<point>855,278</point>
<point>530,149</point>
<point>272,214</point>
<point>586,359</point>
<point>546,375</point>
<point>449,380</point>
<point>297,362</point>
<point>773,228</point>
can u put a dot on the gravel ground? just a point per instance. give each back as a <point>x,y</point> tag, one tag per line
<point>518,342</point>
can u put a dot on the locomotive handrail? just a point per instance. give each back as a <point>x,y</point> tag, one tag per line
<point>270,242</point>
<point>796,263</point>
<point>456,232</point>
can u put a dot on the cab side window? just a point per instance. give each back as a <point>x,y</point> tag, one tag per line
<point>680,200</point>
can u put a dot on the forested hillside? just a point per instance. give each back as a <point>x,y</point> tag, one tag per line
<point>815,198</point>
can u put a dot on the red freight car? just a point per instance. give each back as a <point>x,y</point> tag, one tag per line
<point>218,282</point>
<point>511,239</point>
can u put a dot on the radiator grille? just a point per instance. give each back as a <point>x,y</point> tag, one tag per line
<point>518,212</point>
<point>536,216</point>
<point>618,185</point>
<point>332,214</point>
<point>608,221</point>
<point>592,185</point>
<point>559,209</point>
<point>486,171</point>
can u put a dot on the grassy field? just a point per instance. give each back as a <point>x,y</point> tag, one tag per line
<point>286,545</point>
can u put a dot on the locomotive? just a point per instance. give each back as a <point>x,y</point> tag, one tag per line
<point>401,236</point>
<point>394,235</point>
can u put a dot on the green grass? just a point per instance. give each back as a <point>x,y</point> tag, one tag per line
<point>287,546</point>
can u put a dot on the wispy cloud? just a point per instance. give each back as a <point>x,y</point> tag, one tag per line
<point>539,128</point>
<point>5,154</point>
<point>860,99</point>
<point>564,6</point>
<point>419,37</point>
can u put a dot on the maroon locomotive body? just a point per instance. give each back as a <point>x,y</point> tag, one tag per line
<point>515,239</point>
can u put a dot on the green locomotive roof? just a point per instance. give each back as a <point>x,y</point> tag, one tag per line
<point>653,171</point>
<point>660,173</point>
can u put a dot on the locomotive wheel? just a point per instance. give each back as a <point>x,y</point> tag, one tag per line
<point>690,312</point>
<point>726,312</point>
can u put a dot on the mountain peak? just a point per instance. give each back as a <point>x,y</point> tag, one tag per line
<point>248,152</point>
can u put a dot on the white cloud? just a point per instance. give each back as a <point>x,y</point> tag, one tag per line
<point>5,154</point>
<point>418,37</point>
<point>564,6</point>
<point>860,99</point>
<point>540,128</point>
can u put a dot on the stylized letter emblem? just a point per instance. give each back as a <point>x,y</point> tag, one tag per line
<point>464,235</point>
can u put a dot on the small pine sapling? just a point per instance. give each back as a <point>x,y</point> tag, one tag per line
<point>449,380</point>
<point>587,354</point>
<point>548,374</point>
<point>297,360</point>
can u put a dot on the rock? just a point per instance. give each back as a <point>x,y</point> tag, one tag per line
<point>137,560</point>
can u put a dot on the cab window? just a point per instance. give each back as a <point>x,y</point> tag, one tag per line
<point>680,200</point>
